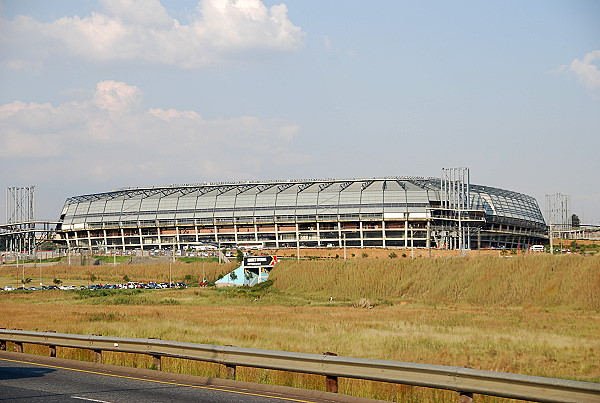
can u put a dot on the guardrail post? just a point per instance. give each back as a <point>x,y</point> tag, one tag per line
<point>230,371</point>
<point>331,382</point>
<point>465,397</point>
<point>52,351</point>
<point>98,356</point>
<point>18,347</point>
<point>3,345</point>
<point>156,362</point>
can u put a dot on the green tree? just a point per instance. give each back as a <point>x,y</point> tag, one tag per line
<point>48,245</point>
<point>575,221</point>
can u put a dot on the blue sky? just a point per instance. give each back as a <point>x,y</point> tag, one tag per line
<point>97,95</point>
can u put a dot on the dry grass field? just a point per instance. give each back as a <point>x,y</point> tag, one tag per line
<point>537,315</point>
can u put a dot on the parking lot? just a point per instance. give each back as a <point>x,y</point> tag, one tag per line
<point>124,286</point>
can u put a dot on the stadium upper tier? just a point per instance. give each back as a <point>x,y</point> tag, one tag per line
<point>384,212</point>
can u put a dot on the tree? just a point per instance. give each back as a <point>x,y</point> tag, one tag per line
<point>575,221</point>
<point>48,245</point>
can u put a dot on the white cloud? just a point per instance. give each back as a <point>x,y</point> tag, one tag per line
<point>116,97</point>
<point>143,30</point>
<point>586,71</point>
<point>112,135</point>
<point>23,65</point>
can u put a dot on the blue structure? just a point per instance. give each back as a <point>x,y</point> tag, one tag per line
<point>243,275</point>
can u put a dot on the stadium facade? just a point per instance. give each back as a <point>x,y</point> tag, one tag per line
<point>397,212</point>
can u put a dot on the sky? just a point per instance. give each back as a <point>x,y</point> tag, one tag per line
<point>100,95</point>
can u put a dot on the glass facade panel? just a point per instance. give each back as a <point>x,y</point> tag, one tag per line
<point>82,208</point>
<point>131,205</point>
<point>187,203</point>
<point>168,203</point>
<point>97,206</point>
<point>113,206</point>
<point>150,204</point>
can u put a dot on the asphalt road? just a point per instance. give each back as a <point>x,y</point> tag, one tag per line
<point>22,380</point>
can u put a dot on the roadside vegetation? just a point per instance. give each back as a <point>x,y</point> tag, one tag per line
<point>533,314</point>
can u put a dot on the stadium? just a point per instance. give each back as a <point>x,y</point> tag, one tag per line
<point>391,212</point>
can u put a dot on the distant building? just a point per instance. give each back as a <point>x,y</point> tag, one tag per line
<point>397,212</point>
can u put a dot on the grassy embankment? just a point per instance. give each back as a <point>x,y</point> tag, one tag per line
<point>534,315</point>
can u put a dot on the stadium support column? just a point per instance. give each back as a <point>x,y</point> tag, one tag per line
<point>66,239</point>
<point>339,225</point>
<point>428,244</point>
<point>383,233</point>
<point>318,235</point>
<point>297,243</point>
<point>405,230</point>
<point>360,228</point>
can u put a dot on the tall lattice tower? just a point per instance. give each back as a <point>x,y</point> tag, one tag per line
<point>558,211</point>
<point>455,185</point>
<point>20,204</point>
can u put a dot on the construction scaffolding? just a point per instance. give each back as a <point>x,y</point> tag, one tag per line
<point>558,213</point>
<point>456,223</point>
<point>22,233</point>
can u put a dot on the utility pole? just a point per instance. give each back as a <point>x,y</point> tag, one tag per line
<point>551,242</point>
<point>171,268</point>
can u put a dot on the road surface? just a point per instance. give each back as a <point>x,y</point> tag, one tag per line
<point>27,378</point>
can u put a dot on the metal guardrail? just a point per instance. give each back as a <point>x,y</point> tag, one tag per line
<point>463,380</point>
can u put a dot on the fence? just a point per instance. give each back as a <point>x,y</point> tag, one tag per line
<point>465,381</point>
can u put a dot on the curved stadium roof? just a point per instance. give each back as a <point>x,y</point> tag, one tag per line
<point>322,197</point>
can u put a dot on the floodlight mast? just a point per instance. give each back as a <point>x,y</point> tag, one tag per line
<point>455,189</point>
<point>558,212</point>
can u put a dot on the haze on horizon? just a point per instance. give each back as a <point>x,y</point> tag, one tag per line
<point>98,95</point>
